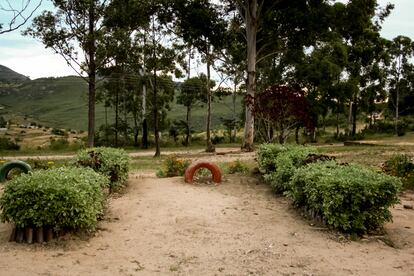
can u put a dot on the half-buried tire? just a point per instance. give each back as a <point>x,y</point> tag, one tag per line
<point>16,164</point>
<point>192,169</point>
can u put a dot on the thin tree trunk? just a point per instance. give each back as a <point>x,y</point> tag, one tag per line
<point>144,106</point>
<point>233,136</point>
<point>155,104</point>
<point>351,105</point>
<point>251,34</point>
<point>106,123</point>
<point>188,130</point>
<point>116,116</point>
<point>124,99</point>
<point>397,109</point>
<point>210,146</point>
<point>188,118</point>
<point>354,118</point>
<point>91,77</point>
<point>297,135</point>
<point>337,125</point>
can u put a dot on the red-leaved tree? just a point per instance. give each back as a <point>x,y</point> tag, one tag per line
<point>279,111</point>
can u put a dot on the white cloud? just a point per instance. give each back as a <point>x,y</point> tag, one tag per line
<point>34,61</point>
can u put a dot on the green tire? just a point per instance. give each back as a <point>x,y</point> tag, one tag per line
<point>6,168</point>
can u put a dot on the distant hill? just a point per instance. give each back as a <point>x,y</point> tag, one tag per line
<point>55,102</point>
<point>7,75</point>
<point>62,103</point>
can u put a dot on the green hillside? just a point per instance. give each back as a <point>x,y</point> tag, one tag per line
<point>56,102</point>
<point>9,76</point>
<point>220,109</point>
<point>62,103</point>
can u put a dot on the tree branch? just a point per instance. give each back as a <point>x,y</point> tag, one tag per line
<point>18,14</point>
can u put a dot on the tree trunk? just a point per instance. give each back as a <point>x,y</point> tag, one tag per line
<point>155,99</point>
<point>91,76</point>
<point>144,106</point>
<point>354,118</point>
<point>188,130</point>
<point>297,135</point>
<point>233,136</point>
<point>251,34</point>
<point>136,123</point>
<point>349,125</point>
<point>116,116</point>
<point>337,125</point>
<point>397,108</point>
<point>124,99</point>
<point>210,146</point>
<point>106,124</point>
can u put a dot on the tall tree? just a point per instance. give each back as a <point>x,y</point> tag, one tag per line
<point>200,24</point>
<point>193,91</point>
<point>401,52</point>
<point>270,26</point>
<point>72,26</point>
<point>18,14</point>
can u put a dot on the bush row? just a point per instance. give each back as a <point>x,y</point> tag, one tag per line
<point>349,198</point>
<point>111,162</point>
<point>71,197</point>
<point>65,197</point>
<point>402,166</point>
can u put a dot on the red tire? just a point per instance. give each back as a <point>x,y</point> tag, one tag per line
<point>193,168</point>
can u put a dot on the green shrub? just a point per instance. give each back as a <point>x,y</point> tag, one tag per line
<point>350,198</point>
<point>173,166</point>
<point>66,197</point>
<point>111,162</point>
<point>58,132</point>
<point>286,163</point>
<point>266,156</point>
<point>59,144</point>
<point>237,167</point>
<point>401,165</point>
<point>8,144</point>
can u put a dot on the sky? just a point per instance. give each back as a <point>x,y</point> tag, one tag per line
<point>29,57</point>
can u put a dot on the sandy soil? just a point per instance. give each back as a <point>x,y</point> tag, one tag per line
<point>167,227</point>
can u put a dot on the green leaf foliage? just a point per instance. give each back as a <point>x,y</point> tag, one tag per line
<point>266,156</point>
<point>286,163</point>
<point>67,197</point>
<point>400,165</point>
<point>350,198</point>
<point>173,166</point>
<point>111,162</point>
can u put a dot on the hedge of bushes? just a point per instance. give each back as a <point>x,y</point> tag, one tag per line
<point>114,163</point>
<point>65,197</point>
<point>349,198</point>
<point>402,166</point>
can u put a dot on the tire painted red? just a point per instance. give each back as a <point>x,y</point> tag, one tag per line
<point>193,168</point>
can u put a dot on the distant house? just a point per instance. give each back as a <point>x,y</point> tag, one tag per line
<point>376,116</point>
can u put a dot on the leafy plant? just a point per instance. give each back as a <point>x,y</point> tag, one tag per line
<point>350,198</point>
<point>8,144</point>
<point>400,165</point>
<point>66,197</point>
<point>59,144</point>
<point>266,156</point>
<point>173,166</point>
<point>237,167</point>
<point>111,162</point>
<point>286,164</point>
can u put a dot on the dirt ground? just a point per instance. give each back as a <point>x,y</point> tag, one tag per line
<point>167,227</point>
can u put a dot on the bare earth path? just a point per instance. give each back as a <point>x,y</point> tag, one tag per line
<point>167,227</point>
